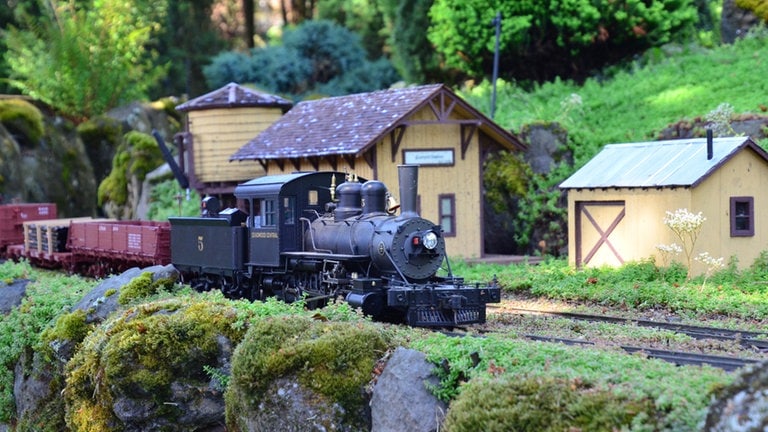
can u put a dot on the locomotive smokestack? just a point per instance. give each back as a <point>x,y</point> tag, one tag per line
<point>710,148</point>
<point>408,175</point>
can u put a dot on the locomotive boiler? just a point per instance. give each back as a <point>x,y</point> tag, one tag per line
<point>299,236</point>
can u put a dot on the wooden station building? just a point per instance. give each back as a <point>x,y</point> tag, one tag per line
<point>370,134</point>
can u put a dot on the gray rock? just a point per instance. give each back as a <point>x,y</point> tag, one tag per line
<point>12,294</point>
<point>742,406</point>
<point>401,401</point>
<point>288,406</point>
<point>735,22</point>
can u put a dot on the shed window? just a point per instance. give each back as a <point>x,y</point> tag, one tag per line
<point>742,216</point>
<point>270,213</point>
<point>447,213</point>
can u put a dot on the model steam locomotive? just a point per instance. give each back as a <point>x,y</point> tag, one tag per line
<point>298,236</point>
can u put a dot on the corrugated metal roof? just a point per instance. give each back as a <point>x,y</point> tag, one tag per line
<point>657,164</point>
<point>349,124</point>
<point>234,95</point>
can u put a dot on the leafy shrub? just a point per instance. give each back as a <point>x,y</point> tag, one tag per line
<point>759,7</point>
<point>142,287</point>
<point>316,56</point>
<point>104,44</point>
<point>590,34</point>
<point>168,199</point>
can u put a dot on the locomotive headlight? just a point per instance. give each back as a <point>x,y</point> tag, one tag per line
<point>430,240</point>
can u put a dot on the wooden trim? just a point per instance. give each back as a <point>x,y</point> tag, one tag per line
<point>581,209</point>
<point>467,133</point>
<point>264,164</point>
<point>280,164</point>
<point>333,161</point>
<point>296,163</point>
<point>350,159</point>
<point>314,161</point>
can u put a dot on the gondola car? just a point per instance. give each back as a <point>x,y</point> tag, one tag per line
<point>298,236</point>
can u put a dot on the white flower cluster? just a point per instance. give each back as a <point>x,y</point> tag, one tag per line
<point>711,262</point>
<point>720,119</point>
<point>683,221</point>
<point>670,249</point>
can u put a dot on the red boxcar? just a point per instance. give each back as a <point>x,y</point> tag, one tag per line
<point>126,243</point>
<point>13,216</point>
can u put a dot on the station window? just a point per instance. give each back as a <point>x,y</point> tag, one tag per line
<point>270,213</point>
<point>312,198</point>
<point>447,214</point>
<point>742,216</point>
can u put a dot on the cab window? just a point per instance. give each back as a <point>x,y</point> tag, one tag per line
<point>270,212</point>
<point>289,210</point>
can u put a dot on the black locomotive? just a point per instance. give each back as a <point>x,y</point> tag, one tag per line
<point>298,236</point>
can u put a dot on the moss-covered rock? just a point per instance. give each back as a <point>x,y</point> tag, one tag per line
<point>513,403</point>
<point>325,366</point>
<point>22,119</point>
<point>101,136</point>
<point>136,156</point>
<point>145,368</point>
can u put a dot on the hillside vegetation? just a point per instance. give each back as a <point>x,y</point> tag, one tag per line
<point>636,101</point>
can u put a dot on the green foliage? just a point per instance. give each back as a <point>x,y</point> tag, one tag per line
<point>22,118</point>
<point>514,403</point>
<point>334,359</point>
<point>590,34</point>
<point>168,199</point>
<point>672,83</point>
<point>367,18</point>
<point>140,353</point>
<point>83,58</point>
<point>412,53</point>
<point>315,56</point>
<point>136,156</point>
<point>20,330</point>
<point>633,383</point>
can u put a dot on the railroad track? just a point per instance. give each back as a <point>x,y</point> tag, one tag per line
<point>679,358</point>
<point>747,339</point>
<point>756,341</point>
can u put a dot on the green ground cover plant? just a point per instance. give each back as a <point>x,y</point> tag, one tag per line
<point>48,296</point>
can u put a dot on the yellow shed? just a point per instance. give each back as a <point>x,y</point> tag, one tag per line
<point>218,123</point>
<point>369,134</point>
<point>618,201</point>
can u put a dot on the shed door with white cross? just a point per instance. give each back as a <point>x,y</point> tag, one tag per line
<point>599,231</point>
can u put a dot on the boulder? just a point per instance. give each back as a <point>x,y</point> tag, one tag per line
<point>12,294</point>
<point>401,400</point>
<point>735,22</point>
<point>742,406</point>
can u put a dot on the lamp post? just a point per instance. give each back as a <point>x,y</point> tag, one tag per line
<point>497,23</point>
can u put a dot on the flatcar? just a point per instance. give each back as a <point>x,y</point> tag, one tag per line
<point>299,236</point>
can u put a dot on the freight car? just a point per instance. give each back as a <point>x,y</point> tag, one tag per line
<point>294,240</point>
<point>87,246</point>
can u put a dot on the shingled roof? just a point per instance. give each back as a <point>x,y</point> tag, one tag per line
<point>671,163</point>
<point>234,95</point>
<point>349,125</point>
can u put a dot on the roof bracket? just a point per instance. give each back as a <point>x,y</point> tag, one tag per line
<point>467,133</point>
<point>396,137</point>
